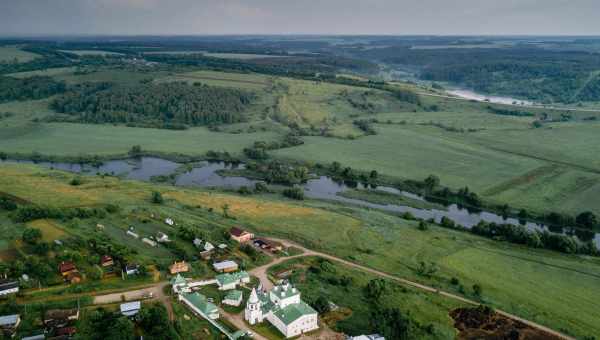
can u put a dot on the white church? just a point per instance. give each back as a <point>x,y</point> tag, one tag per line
<point>283,308</point>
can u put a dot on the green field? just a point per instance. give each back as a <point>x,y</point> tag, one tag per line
<point>12,53</point>
<point>502,158</point>
<point>550,288</point>
<point>74,139</point>
<point>427,308</point>
<point>92,52</point>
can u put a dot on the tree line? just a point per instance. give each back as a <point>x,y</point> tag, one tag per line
<point>29,88</point>
<point>154,105</point>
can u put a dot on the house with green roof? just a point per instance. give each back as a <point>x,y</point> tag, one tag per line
<point>230,281</point>
<point>200,305</point>
<point>233,298</point>
<point>283,308</point>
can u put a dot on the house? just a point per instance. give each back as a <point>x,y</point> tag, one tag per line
<point>208,246</point>
<point>366,337</point>
<point>8,287</point>
<point>200,305</point>
<point>130,308</point>
<point>230,281</point>
<point>9,324</point>
<point>242,236</point>
<point>179,284</point>
<point>225,266</point>
<point>282,308</point>
<point>132,234</point>
<point>162,237</point>
<point>233,298</point>
<point>66,267</point>
<point>149,242</point>
<point>132,269</point>
<point>208,250</point>
<point>170,222</point>
<point>179,267</point>
<point>107,261</point>
<point>60,317</point>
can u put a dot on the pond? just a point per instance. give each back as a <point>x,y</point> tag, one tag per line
<point>205,174</point>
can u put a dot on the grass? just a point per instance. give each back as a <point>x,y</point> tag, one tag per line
<point>92,52</point>
<point>50,72</point>
<point>427,308</point>
<point>74,139</point>
<point>11,53</point>
<point>550,288</point>
<point>225,79</point>
<point>241,56</point>
<point>50,230</point>
<point>193,327</point>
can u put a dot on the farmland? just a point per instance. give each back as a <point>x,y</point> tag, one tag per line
<point>12,53</point>
<point>546,287</point>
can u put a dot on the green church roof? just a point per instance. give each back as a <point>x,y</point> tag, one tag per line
<point>234,295</point>
<point>229,278</point>
<point>199,301</point>
<point>293,312</point>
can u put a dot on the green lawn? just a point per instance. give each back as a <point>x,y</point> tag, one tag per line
<point>75,139</point>
<point>424,307</point>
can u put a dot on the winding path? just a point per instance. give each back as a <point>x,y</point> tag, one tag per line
<point>261,274</point>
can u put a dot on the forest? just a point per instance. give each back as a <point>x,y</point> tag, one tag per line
<point>157,105</point>
<point>29,88</point>
<point>525,72</point>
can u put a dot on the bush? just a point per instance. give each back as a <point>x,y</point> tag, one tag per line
<point>76,181</point>
<point>294,193</point>
<point>157,198</point>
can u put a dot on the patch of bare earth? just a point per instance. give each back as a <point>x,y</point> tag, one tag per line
<point>483,323</point>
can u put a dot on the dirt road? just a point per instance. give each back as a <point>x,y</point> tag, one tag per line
<point>156,291</point>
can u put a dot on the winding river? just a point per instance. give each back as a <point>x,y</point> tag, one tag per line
<point>206,174</point>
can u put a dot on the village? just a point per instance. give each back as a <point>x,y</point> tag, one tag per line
<point>232,300</point>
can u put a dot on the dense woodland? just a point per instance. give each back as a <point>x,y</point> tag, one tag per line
<point>29,88</point>
<point>162,105</point>
<point>528,72</point>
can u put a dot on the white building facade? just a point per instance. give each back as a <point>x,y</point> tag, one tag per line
<point>283,308</point>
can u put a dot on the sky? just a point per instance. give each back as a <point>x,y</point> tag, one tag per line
<point>394,17</point>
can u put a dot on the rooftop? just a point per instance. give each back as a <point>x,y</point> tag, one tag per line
<point>237,232</point>
<point>224,265</point>
<point>5,285</point>
<point>9,320</point>
<point>199,301</point>
<point>293,312</point>
<point>234,295</point>
<point>130,308</point>
<point>285,291</point>
<point>229,278</point>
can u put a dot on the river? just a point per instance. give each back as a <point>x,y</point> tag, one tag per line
<point>205,175</point>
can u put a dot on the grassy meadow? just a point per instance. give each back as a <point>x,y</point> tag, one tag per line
<point>12,53</point>
<point>353,315</point>
<point>550,288</point>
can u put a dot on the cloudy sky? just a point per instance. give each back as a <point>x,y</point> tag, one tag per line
<point>473,17</point>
